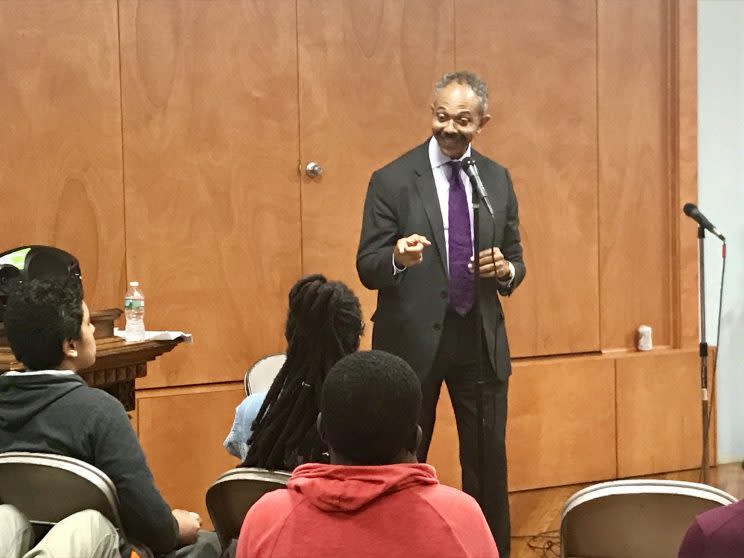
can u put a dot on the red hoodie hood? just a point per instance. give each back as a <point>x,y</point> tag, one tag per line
<point>342,488</point>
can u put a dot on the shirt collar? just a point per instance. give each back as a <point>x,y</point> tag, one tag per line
<point>437,158</point>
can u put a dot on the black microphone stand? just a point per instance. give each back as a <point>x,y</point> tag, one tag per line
<point>480,433</point>
<point>478,332</point>
<point>703,354</point>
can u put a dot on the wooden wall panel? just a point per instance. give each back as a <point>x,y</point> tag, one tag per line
<point>561,425</point>
<point>658,413</point>
<point>634,171</point>
<point>210,152</point>
<point>539,59</point>
<point>581,419</point>
<point>367,70</point>
<point>594,108</point>
<point>60,142</point>
<point>686,325</point>
<point>181,431</point>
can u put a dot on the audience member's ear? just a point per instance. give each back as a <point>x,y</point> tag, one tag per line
<point>319,426</point>
<point>69,348</point>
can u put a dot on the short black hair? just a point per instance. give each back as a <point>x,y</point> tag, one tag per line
<point>370,407</point>
<point>42,314</point>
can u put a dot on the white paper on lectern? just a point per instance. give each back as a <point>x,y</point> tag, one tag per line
<point>160,335</point>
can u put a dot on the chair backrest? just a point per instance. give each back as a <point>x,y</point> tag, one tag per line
<point>259,377</point>
<point>46,488</point>
<point>234,492</point>
<point>642,518</point>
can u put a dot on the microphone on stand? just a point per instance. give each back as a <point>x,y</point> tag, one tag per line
<point>692,211</point>
<point>468,165</point>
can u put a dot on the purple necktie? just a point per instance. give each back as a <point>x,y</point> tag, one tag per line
<point>460,244</point>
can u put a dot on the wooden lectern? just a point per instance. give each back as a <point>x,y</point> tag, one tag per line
<point>118,362</point>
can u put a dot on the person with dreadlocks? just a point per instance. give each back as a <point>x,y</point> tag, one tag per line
<point>276,430</point>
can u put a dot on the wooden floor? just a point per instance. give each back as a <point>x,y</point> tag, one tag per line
<point>535,514</point>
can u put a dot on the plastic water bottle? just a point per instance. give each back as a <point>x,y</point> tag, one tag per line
<point>134,312</point>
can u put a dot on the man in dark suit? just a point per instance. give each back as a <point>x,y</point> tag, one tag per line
<point>416,251</point>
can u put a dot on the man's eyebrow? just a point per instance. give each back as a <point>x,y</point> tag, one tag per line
<point>458,113</point>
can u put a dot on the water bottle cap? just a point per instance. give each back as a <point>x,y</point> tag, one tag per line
<point>134,283</point>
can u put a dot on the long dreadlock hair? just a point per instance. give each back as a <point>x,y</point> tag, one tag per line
<point>324,323</point>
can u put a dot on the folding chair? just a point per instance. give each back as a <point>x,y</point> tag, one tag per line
<point>641,518</point>
<point>259,377</point>
<point>234,492</point>
<point>46,488</point>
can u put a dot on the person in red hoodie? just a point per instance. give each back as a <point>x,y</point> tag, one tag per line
<point>373,499</point>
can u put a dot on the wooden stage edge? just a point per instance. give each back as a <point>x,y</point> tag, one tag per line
<point>536,514</point>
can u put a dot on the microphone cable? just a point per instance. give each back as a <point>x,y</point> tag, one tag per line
<point>714,373</point>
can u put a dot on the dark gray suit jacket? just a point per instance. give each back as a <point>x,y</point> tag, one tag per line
<point>411,306</point>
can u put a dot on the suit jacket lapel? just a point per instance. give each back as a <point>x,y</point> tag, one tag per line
<point>427,191</point>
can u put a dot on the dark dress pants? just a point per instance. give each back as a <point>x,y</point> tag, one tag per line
<point>456,365</point>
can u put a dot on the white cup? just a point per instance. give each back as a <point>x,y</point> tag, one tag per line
<point>645,342</point>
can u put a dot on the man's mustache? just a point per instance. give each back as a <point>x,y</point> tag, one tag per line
<point>451,136</point>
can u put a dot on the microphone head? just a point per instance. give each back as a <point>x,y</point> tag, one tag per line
<point>468,165</point>
<point>690,209</point>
